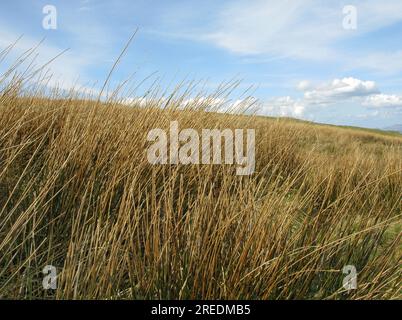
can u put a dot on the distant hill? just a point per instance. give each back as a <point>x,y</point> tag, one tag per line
<point>396,127</point>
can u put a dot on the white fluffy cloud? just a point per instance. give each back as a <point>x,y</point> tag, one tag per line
<point>383,101</point>
<point>338,89</point>
<point>304,85</point>
<point>325,94</point>
<point>283,107</point>
<point>207,103</point>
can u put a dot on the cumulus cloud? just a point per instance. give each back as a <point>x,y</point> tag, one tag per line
<point>340,89</point>
<point>136,101</point>
<point>283,107</point>
<point>211,102</point>
<point>203,102</point>
<point>304,85</point>
<point>383,101</point>
<point>324,94</point>
<point>207,102</point>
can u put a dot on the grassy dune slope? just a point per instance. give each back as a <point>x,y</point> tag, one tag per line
<point>77,192</point>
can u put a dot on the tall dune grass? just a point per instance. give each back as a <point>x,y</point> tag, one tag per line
<point>77,192</point>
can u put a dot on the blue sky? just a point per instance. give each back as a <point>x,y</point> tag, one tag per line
<point>297,54</point>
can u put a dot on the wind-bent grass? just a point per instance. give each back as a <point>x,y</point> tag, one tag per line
<point>77,192</point>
